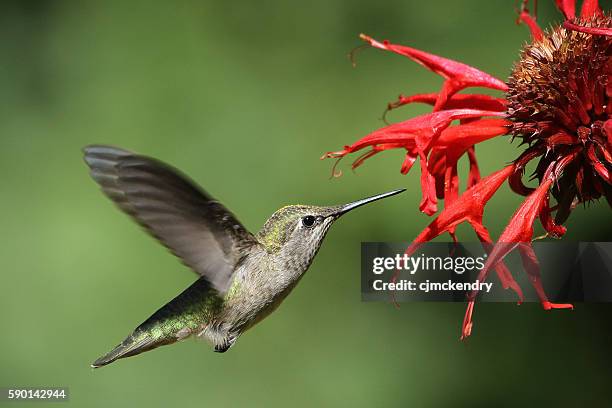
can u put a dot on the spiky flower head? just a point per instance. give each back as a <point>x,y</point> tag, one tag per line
<point>559,104</point>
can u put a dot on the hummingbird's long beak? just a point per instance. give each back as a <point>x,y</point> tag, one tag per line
<point>351,206</point>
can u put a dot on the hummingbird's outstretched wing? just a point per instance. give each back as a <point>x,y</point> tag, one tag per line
<point>193,225</point>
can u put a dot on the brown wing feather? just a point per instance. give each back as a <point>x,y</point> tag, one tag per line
<point>194,226</point>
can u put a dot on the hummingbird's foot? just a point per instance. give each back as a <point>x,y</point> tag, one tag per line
<point>222,348</point>
<point>228,342</point>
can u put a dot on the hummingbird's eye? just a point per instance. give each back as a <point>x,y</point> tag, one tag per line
<point>308,221</point>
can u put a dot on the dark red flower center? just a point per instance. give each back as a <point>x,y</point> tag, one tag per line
<point>559,104</point>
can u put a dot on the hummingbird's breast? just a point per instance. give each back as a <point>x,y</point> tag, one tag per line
<point>260,285</point>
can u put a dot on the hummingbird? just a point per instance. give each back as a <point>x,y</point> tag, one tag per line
<point>243,277</point>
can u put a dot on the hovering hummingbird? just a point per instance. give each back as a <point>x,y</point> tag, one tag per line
<point>243,277</point>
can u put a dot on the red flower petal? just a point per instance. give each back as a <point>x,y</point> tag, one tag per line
<point>411,157</point>
<point>534,28</point>
<point>373,151</point>
<point>452,144</point>
<point>429,201</point>
<point>530,22</point>
<point>469,207</point>
<point>469,134</point>
<point>557,231</point>
<point>560,138</point>
<point>457,140</point>
<point>474,176</point>
<point>519,232</point>
<point>516,179</point>
<point>458,75</point>
<point>567,7</point>
<point>599,167</point>
<point>532,266</point>
<point>590,8</point>
<point>419,131</point>
<point>457,101</point>
<point>418,135</point>
<point>519,229</point>
<point>589,30</point>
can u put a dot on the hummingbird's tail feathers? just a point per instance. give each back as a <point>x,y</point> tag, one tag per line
<point>135,343</point>
<point>180,318</point>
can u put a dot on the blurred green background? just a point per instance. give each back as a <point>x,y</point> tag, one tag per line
<point>245,97</point>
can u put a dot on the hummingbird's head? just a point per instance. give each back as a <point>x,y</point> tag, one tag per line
<point>297,231</point>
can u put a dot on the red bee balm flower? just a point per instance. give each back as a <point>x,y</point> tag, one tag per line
<point>557,100</point>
